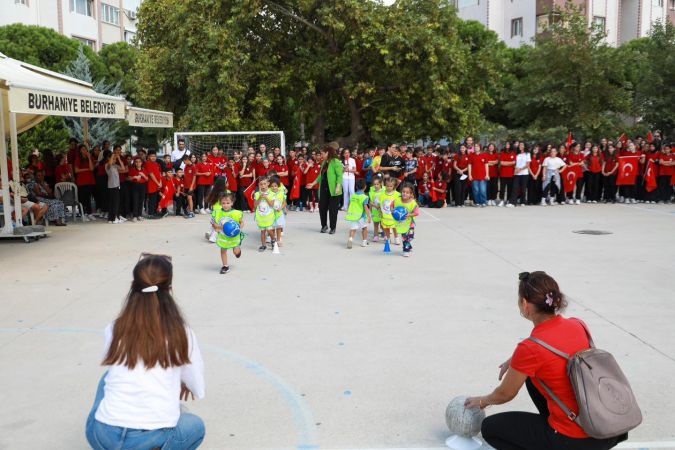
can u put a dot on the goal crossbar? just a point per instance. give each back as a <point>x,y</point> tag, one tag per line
<point>187,134</point>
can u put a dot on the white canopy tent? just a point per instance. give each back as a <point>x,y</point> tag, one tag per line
<point>28,94</point>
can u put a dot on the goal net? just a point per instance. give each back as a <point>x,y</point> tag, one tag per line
<point>231,141</point>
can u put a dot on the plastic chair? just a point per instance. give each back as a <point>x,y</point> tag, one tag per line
<point>67,193</point>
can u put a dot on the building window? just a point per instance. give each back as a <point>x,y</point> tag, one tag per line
<point>110,14</point>
<point>599,22</point>
<point>84,7</point>
<point>517,27</point>
<point>21,2</point>
<point>129,36</point>
<point>543,21</point>
<point>672,5</point>
<point>658,3</point>
<point>88,42</point>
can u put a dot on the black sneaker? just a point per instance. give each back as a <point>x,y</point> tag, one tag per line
<point>332,231</point>
<point>224,270</point>
<point>262,248</point>
<point>324,229</point>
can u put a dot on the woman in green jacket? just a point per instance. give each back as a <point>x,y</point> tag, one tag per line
<point>330,188</point>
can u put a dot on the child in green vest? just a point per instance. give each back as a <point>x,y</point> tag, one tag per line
<point>264,213</point>
<point>219,217</point>
<point>374,203</point>
<point>406,228</point>
<point>279,207</point>
<point>386,201</point>
<point>357,214</point>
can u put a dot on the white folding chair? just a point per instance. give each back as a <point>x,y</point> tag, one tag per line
<point>67,193</point>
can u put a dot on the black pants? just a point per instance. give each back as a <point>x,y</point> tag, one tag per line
<point>640,190</point>
<point>137,198</point>
<point>436,204</point>
<point>202,191</point>
<point>493,188</point>
<point>328,206</point>
<point>593,186</point>
<point>460,191</point>
<point>153,203</point>
<point>101,193</point>
<point>242,203</point>
<point>609,182</point>
<point>125,199</point>
<point>113,203</point>
<point>534,191</point>
<point>84,194</point>
<point>628,191</point>
<point>665,189</point>
<point>580,187</point>
<point>530,431</point>
<point>180,204</point>
<point>505,187</point>
<point>519,189</point>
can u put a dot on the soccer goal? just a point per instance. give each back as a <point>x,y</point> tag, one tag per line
<point>230,141</point>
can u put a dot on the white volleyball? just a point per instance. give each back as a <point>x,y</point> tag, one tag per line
<point>462,421</point>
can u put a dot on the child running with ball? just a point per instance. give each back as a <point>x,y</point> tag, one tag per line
<point>264,212</point>
<point>406,227</point>
<point>228,223</point>
<point>386,201</point>
<point>374,204</point>
<point>357,213</point>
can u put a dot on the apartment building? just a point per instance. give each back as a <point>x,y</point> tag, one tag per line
<point>517,22</point>
<point>97,23</point>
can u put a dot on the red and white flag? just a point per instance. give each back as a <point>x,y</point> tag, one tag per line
<point>650,177</point>
<point>249,193</point>
<point>569,141</point>
<point>628,168</point>
<point>569,180</point>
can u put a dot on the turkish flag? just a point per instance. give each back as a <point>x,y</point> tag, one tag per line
<point>628,166</point>
<point>650,177</point>
<point>569,140</point>
<point>623,138</point>
<point>295,190</point>
<point>569,180</point>
<point>249,193</point>
<point>650,137</point>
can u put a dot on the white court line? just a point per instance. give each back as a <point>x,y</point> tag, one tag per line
<point>653,211</point>
<point>624,445</point>
<point>433,217</point>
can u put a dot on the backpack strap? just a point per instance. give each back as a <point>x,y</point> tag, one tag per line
<point>568,412</point>
<point>588,333</point>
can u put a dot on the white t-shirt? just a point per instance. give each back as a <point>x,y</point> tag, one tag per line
<point>553,163</point>
<point>149,399</point>
<point>178,154</point>
<point>350,164</point>
<point>522,163</point>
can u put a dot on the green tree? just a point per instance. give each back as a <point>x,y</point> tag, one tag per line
<point>119,60</point>
<point>571,79</point>
<point>352,69</point>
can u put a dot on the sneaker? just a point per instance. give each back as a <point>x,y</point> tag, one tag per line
<point>135,219</point>
<point>116,221</point>
<point>262,248</point>
<point>543,202</point>
<point>332,231</point>
<point>91,217</point>
<point>501,203</point>
<point>364,243</point>
<point>165,214</point>
<point>110,221</point>
<point>85,218</point>
<point>191,215</point>
<point>594,201</point>
<point>406,254</point>
<point>510,205</point>
<point>350,241</point>
<point>578,202</point>
<point>224,270</point>
<point>482,205</point>
<point>212,239</point>
<point>141,218</point>
<point>122,219</point>
<point>376,238</point>
<point>397,240</point>
<point>324,229</point>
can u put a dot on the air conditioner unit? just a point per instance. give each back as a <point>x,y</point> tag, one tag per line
<point>132,15</point>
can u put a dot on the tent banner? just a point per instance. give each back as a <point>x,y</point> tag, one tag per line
<point>42,102</point>
<point>147,118</point>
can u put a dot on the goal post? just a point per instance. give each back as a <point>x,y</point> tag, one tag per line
<point>199,142</point>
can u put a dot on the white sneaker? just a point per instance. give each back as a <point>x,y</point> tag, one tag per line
<point>110,221</point>
<point>501,203</point>
<point>406,254</point>
<point>91,217</point>
<point>509,205</point>
<point>350,241</point>
<point>122,219</point>
<point>578,202</point>
<point>364,243</point>
<point>543,202</point>
<point>135,219</point>
<point>397,240</point>
<point>116,221</point>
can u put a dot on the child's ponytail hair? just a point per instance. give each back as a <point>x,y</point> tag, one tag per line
<point>541,290</point>
<point>219,187</point>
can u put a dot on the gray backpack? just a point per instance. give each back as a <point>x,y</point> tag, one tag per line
<point>607,406</point>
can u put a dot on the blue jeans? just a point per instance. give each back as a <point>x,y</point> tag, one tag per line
<point>188,433</point>
<point>479,189</point>
<point>424,199</point>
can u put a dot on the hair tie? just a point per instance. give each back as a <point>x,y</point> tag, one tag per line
<point>149,289</point>
<point>523,275</point>
<point>549,298</point>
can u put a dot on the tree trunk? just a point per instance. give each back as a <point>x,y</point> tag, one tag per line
<point>357,130</point>
<point>318,137</point>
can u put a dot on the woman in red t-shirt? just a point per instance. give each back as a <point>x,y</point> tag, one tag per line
<point>594,175</point>
<point>84,178</point>
<point>461,167</point>
<point>205,176</point>
<point>139,183</point>
<point>610,166</point>
<point>311,172</point>
<point>246,177</point>
<point>540,301</point>
<point>534,187</point>
<point>493,171</point>
<point>666,173</point>
<point>63,173</point>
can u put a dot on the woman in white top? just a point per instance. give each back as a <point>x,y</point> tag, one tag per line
<point>552,166</point>
<point>153,362</point>
<point>347,178</point>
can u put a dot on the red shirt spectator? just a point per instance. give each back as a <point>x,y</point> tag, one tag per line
<point>443,186</point>
<point>84,175</point>
<point>231,179</point>
<point>63,173</point>
<point>506,157</point>
<point>189,177</point>
<point>312,174</point>
<point>135,175</point>
<point>575,158</point>
<point>205,173</point>
<point>666,170</point>
<point>152,169</point>
<point>462,161</point>
<point>477,163</point>
<point>218,163</point>
<point>493,170</point>
<point>594,163</point>
<point>246,181</point>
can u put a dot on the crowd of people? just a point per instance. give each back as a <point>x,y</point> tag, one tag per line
<point>117,186</point>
